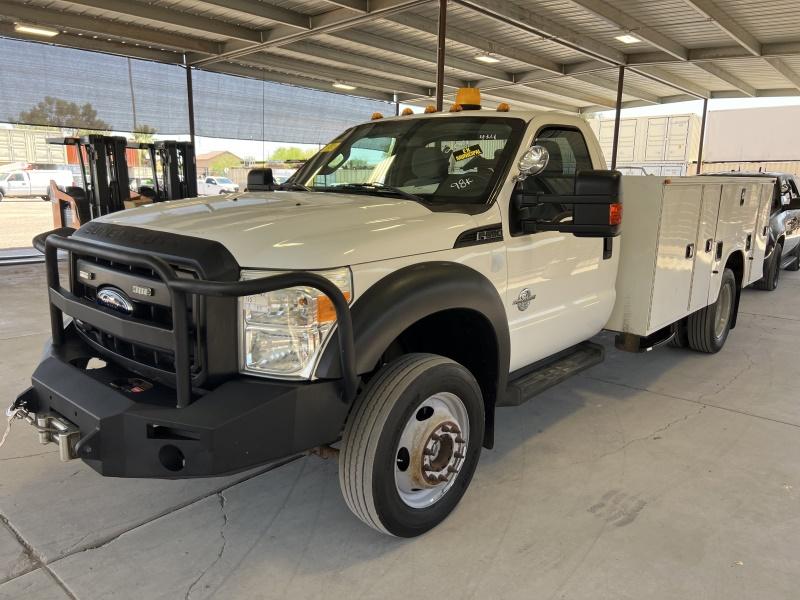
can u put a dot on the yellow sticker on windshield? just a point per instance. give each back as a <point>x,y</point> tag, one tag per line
<point>331,147</point>
<point>468,152</point>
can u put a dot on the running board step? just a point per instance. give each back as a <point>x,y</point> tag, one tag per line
<point>552,371</point>
<point>788,261</point>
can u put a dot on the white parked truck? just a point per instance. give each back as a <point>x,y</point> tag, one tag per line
<point>213,185</point>
<point>413,276</point>
<point>29,183</point>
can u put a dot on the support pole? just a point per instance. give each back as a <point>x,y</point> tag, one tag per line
<point>190,99</point>
<point>440,54</point>
<point>615,143</point>
<point>702,136</point>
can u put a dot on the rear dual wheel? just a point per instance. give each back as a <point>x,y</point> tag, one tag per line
<point>708,328</point>
<point>411,444</point>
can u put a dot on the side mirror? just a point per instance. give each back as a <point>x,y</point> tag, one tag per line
<point>533,162</point>
<point>786,198</point>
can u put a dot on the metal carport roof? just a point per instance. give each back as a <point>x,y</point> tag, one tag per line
<point>559,54</point>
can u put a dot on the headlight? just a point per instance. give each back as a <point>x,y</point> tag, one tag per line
<point>282,332</point>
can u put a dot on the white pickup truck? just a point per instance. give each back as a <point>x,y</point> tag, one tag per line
<point>29,183</point>
<point>416,274</point>
<point>212,185</point>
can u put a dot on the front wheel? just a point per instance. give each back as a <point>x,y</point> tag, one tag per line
<point>708,328</point>
<point>411,444</point>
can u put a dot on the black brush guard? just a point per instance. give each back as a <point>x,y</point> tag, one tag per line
<point>177,339</point>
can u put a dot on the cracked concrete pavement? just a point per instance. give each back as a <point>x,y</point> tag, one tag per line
<point>664,475</point>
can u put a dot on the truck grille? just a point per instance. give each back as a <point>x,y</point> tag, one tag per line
<point>158,312</point>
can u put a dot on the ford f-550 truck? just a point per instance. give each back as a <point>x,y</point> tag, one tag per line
<point>413,276</point>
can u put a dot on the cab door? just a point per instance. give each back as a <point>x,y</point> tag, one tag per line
<point>18,185</point>
<point>791,216</point>
<point>560,287</point>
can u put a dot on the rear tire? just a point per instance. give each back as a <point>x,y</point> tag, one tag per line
<point>769,281</point>
<point>708,328</point>
<point>680,340</point>
<point>411,444</point>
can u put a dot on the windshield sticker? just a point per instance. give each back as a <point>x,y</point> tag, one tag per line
<point>462,184</point>
<point>468,152</point>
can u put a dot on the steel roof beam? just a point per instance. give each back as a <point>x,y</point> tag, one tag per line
<point>417,52</point>
<point>333,20</point>
<point>629,24</point>
<point>293,66</point>
<point>255,8</point>
<point>273,76</point>
<point>511,14</point>
<point>163,15</point>
<point>785,70</point>
<point>426,76</point>
<point>727,24</point>
<point>105,28</point>
<point>359,5</point>
<point>729,78</point>
<point>98,45</point>
<point>479,42</point>
<point>628,90</point>
<point>674,81</point>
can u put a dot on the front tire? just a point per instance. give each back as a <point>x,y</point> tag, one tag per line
<point>411,444</point>
<point>708,328</point>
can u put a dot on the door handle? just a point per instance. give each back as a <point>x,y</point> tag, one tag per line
<point>709,244</point>
<point>690,251</point>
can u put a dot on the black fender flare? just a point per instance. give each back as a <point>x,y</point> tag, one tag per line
<point>402,298</point>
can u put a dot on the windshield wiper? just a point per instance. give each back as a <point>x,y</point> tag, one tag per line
<point>379,187</point>
<point>291,185</point>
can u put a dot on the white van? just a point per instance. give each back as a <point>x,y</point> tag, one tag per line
<point>33,182</point>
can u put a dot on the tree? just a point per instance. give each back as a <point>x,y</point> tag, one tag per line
<point>222,162</point>
<point>55,112</point>
<point>144,134</point>
<point>291,153</point>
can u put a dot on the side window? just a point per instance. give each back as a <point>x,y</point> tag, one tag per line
<point>568,155</point>
<point>17,177</point>
<point>210,180</point>
<point>793,187</point>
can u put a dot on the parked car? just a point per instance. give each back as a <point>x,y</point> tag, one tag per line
<point>783,243</point>
<point>214,185</point>
<point>29,183</point>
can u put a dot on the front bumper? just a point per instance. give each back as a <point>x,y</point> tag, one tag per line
<point>128,431</point>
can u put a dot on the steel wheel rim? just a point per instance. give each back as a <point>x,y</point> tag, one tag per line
<point>431,451</point>
<point>722,316</point>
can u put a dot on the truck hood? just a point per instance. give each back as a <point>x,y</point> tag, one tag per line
<point>304,230</point>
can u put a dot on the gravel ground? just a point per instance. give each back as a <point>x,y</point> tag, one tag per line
<point>21,219</point>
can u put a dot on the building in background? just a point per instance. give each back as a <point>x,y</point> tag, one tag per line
<point>217,163</point>
<point>753,139</point>
<point>663,145</point>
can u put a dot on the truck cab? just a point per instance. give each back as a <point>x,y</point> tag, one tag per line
<point>212,185</point>
<point>414,275</point>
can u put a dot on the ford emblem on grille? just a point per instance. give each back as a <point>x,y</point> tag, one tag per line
<point>115,300</point>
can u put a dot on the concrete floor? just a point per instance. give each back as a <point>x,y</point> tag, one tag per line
<point>666,475</point>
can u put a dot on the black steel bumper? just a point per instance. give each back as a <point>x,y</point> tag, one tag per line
<point>134,426</point>
<point>240,424</point>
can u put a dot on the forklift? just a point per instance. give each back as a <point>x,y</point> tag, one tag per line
<point>106,181</point>
<point>174,171</point>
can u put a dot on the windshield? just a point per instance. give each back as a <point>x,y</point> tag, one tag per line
<point>449,160</point>
<point>223,180</point>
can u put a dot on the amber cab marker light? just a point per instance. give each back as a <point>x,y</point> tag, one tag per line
<point>455,108</point>
<point>376,116</point>
<point>503,107</point>
<point>615,213</point>
<point>430,109</point>
<point>407,111</point>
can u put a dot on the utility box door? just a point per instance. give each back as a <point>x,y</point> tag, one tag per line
<point>675,254</point>
<point>705,247</point>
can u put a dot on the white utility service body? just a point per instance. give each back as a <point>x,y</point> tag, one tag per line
<point>461,281</point>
